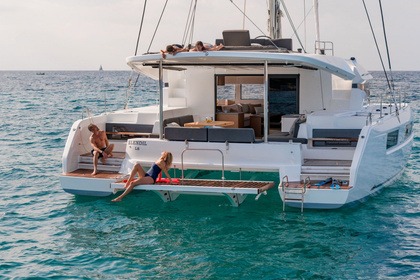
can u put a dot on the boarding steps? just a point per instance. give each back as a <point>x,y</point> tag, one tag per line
<point>317,169</point>
<point>112,164</point>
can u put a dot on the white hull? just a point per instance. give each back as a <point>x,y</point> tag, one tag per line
<point>325,126</point>
<point>371,168</point>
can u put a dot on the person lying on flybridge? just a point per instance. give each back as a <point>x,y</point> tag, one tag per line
<point>173,49</point>
<point>200,47</point>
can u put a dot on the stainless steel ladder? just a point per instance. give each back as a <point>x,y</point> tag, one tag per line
<point>294,194</point>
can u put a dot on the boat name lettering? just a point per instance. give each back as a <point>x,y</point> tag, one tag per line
<point>138,143</point>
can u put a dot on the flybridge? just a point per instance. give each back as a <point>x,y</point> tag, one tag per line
<point>333,65</point>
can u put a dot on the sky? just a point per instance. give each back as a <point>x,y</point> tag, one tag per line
<point>84,34</point>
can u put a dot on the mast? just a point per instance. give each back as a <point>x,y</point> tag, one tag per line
<point>274,23</point>
<point>317,38</point>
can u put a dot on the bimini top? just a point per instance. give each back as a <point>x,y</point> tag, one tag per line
<point>334,65</point>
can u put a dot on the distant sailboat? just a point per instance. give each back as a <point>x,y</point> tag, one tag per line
<point>100,68</point>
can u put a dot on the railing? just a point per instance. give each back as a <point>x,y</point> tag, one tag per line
<point>322,46</point>
<point>215,150</point>
<point>294,191</point>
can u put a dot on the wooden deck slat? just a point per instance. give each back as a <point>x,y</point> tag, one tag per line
<point>326,162</point>
<point>87,173</point>
<point>297,185</point>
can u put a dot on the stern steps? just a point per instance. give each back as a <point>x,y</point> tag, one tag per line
<point>112,164</point>
<point>317,169</point>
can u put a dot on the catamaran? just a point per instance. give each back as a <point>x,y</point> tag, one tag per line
<point>254,115</point>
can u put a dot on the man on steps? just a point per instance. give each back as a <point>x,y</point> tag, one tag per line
<point>101,147</point>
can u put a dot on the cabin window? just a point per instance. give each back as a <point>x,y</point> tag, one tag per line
<point>392,139</point>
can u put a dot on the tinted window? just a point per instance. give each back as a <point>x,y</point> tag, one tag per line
<point>392,139</point>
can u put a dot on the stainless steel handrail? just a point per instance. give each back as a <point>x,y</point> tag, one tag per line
<point>188,149</point>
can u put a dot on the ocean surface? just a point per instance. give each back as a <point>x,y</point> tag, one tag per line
<point>46,233</point>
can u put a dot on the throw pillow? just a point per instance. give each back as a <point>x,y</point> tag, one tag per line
<point>173,124</point>
<point>259,110</point>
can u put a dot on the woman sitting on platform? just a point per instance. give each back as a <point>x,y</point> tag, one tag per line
<point>149,177</point>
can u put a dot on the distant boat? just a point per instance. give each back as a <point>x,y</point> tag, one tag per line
<point>100,68</point>
<point>40,73</point>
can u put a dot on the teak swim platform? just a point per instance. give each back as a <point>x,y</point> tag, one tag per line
<point>235,191</point>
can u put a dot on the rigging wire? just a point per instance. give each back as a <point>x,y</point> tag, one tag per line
<point>129,87</point>
<point>157,26</point>
<point>304,20</point>
<point>243,20</point>
<point>141,27</point>
<point>293,26</point>
<point>192,24</point>
<point>380,57</point>
<point>386,44</point>
<point>376,43</point>
<point>127,93</point>
<point>188,23</point>
<point>306,14</point>
<point>256,26</point>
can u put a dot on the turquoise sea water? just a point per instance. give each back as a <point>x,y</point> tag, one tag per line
<point>47,233</point>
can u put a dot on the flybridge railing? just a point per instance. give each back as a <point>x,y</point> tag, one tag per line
<point>322,47</point>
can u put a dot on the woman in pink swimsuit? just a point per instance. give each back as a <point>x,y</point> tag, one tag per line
<point>149,177</point>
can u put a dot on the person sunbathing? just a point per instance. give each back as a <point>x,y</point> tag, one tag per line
<point>201,47</point>
<point>149,177</point>
<point>173,49</point>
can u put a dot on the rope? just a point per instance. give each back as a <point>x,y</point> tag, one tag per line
<point>157,26</point>
<point>141,27</point>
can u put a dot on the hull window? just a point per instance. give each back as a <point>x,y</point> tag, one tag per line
<point>392,139</point>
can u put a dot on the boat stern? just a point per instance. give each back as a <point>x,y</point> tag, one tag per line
<point>86,186</point>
